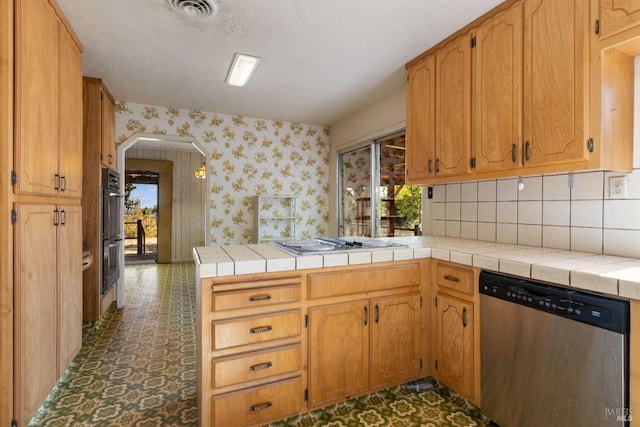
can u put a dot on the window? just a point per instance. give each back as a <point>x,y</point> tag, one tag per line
<point>372,185</point>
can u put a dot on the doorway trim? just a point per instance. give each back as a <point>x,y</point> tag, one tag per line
<point>120,156</point>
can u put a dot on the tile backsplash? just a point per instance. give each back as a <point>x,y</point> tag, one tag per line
<point>571,211</point>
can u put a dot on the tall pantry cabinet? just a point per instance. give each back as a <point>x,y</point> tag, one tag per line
<point>99,151</point>
<point>46,202</point>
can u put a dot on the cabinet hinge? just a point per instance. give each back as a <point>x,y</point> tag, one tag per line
<point>14,178</point>
<point>590,145</point>
<point>473,41</point>
<point>14,216</point>
<point>421,363</point>
<point>436,364</point>
<point>306,320</point>
<point>596,27</point>
<point>472,162</point>
<point>306,394</point>
<point>420,300</point>
<point>436,301</point>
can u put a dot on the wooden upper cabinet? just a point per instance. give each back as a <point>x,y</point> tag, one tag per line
<point>497,100</point>
<point>453,108</point>
<point>108,152</point>
<point>555,81</point>
<point>618,15</point>
<point>36,83</point>
<point>48,120</point>
<point>420,135</point>
<point>70,116</point>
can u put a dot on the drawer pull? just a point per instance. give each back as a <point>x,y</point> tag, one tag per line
<point>260,366</point>
<point>451,278</point>
<point>260,407</point>
<point>266,297</point>
<point>261,329</point>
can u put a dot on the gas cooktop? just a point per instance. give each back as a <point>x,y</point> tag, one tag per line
<point>321,245</point>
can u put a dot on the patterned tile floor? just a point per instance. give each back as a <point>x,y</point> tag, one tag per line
<point>137,368</point>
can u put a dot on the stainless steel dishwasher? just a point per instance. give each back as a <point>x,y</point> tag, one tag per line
<point>552,356</point>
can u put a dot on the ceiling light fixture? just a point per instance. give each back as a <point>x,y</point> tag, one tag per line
<point>241,69</point>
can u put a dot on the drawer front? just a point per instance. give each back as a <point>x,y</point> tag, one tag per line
<point>255,297</point>
<point>459,279</point>
<point>258,405</point>
<point>322,285</point>
<point>256,329</point>
<point>254,366</point>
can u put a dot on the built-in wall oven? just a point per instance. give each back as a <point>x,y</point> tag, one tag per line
<point>111,234</point>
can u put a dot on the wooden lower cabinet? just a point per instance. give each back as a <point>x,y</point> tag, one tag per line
<point>454,348</point>
<point>258,405</point>
<point>48,294</point>
<point>455,330</point>
<point>395,340</point>
<point>363,331</point>
<point>338,352</point>
<point>363,345</point>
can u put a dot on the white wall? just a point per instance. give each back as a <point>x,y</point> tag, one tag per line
<point>385,116</point>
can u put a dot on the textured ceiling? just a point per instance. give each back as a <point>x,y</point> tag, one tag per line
<point>321,60</point>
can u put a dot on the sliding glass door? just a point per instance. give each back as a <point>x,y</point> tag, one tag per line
<point>374,200</point>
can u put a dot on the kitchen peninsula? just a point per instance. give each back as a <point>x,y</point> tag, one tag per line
<point>280,334</point>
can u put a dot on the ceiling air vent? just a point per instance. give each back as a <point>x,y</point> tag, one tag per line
<point>195,8</point>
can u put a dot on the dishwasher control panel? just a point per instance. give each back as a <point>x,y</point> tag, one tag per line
<point>582,306</point>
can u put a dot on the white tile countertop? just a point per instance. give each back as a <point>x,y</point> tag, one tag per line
<point>600,273</point>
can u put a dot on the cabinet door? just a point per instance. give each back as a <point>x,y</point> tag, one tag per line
<point>454,343</point>
<point>618,15</point>
<point>395,340</point>
<point>69,285</point>
<point>420,135</point>
<point>497,102</point>
<point>36,370</point>
<point>108,131</point>
<point>36,105</point>
<point>338,351</point>
<point>70,116</point>
<point>453,108</point>
<point>555,87</point>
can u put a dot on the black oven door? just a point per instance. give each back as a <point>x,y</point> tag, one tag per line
<point>110,259</point>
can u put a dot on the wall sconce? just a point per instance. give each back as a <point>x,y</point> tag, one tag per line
<point>201,172</point>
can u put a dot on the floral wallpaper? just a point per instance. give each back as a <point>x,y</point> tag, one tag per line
<point>247,157</point>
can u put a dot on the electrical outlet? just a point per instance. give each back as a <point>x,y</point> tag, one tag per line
<point>617,187</point>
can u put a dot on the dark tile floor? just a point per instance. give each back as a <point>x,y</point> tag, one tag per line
<point>137,368</point>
